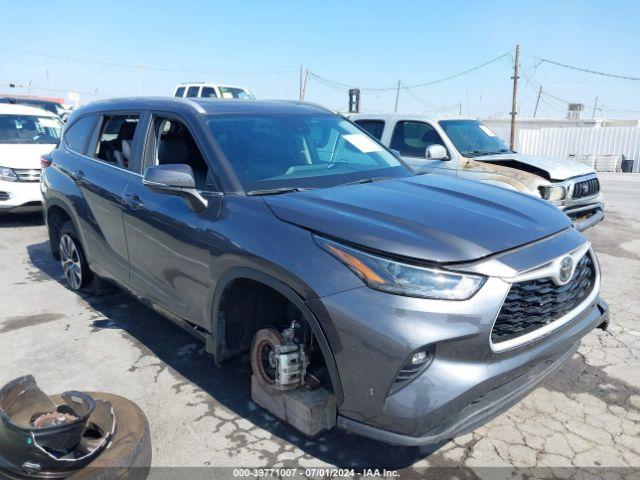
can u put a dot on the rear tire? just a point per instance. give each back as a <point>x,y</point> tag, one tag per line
<point>74,263</point>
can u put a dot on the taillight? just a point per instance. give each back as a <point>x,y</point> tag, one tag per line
<point>45,160</point>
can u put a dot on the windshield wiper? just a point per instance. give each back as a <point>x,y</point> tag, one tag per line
<point>277,191</point>
<point>365,180</point>
<point>479,153</point>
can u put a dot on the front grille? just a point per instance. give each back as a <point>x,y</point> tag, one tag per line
<point>4,196</point>
<point>27,175</point>
<point>535,303</point>
<point>586,188</point>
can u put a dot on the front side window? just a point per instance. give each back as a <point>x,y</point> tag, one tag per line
<point>77,135</point>
<point>174,143</point>
<point>208,92</point>
<point>472,138</point>
<point>29,129</point>
<point>179,92</point>
<point>373,127</point>
<point>115,143</point>
<point>193,92</point>
<point>412,138</point>
<point>300,151</point>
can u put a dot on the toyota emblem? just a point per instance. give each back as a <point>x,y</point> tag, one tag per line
<point>566,269</point>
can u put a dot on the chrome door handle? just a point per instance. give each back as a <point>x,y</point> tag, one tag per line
<point>133,201</point>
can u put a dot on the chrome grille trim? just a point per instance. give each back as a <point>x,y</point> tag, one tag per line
<point>27,174</point>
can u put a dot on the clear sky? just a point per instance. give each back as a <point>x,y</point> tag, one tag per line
<point>372,44</point>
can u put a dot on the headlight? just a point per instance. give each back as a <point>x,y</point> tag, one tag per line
<point>404,279</point>
<point>553,193</point>
<point>7,175</point>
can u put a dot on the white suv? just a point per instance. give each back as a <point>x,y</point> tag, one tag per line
<point>212,90</point>
<point>26,133</point>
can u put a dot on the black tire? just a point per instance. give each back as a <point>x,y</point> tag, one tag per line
<point>90,282</point>
<point>74,263</point>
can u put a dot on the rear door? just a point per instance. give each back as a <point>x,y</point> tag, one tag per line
<point>411,138</point>
<point>168,243</point>
<point>102,179</point>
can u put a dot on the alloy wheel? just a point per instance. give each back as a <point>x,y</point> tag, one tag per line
<point>71,261</point>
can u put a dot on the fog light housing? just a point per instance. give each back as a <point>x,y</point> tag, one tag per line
<point>419,357</point>
<point>416,363</point>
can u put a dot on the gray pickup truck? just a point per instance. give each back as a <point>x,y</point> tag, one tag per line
<point>469,149</point>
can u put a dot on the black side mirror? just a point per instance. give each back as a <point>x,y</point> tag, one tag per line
<point>175,179</point>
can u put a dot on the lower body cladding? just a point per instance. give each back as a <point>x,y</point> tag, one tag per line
<point>20,197</point>
<point>417,371</point>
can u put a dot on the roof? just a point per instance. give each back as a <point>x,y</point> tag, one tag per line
<point>202,105</point>
<point>403,116</point>
<point>15,109</point>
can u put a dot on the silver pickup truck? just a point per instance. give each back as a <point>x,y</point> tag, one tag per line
<point>469,149</point>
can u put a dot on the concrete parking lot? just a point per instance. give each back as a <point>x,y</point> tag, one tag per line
<point>588,414</point>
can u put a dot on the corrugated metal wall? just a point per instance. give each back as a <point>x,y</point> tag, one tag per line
<point>580,142</point>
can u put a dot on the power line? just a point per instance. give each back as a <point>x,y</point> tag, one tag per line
<point>586,70</point>
<point>139,66</point>
<point>336,85</point>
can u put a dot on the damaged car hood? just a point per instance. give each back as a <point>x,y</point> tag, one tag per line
<point>556,169</point>
<point>428,217</point>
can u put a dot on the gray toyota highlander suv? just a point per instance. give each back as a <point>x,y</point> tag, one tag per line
<point>424,304</point>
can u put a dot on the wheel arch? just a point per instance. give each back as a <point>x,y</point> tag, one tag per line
<point>56,214</point>
<point>216,343</point>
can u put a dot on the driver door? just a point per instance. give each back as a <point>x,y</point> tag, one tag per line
<point>168,242</point>
<point>411,139</point>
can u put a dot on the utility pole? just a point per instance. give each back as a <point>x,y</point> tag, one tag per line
<point>460,108</point>
<point>304,85</point>
<point>535,110</point>
<point>300,87</point>
<point>595,104</point>
<point>513,102</point>
<point>397,96</point>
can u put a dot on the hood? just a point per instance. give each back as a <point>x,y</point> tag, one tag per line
<point>429,217</point>
<point>23,155</point>
<point>556,168</point>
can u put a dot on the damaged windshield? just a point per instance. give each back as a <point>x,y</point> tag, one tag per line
<point>472,138</point>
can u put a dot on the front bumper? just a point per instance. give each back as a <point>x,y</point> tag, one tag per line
<point>467,383</point>
<point>584,212</point>
<point>20,197</point>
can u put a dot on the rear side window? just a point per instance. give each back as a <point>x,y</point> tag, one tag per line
<point>373,127</point>
<point>115,143</point>
<point>77,135</point>
<point>413,138</point>
<point>192,91</point>
<point>179,92</point>
<point>208,92</point>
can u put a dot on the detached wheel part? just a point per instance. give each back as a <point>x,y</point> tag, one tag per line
<point>263,349</point>
<point>74,263</point>
<point>127,457</point>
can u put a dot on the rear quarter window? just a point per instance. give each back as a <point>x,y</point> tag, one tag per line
<point>77,135</point>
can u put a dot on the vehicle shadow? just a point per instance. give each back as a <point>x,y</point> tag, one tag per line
<point>228,385</point>
<point>14,220</point>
